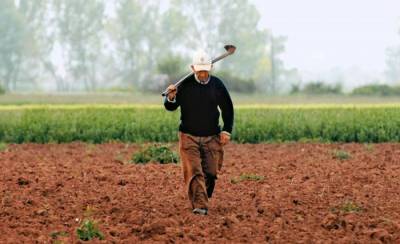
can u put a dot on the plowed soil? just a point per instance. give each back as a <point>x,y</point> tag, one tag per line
<point>303,194</point>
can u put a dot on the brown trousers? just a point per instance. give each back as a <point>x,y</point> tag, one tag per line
<point>201,159</point>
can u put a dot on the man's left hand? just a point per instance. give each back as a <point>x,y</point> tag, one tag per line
<point>224,138</point>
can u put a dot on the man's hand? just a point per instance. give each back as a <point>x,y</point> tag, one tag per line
<point>224,138</point>
<point>172,92</point>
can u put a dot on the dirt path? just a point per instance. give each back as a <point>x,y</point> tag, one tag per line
<point>307,195</point>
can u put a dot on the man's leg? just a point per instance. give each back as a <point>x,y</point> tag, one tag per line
<point>189,150</point>
<point>212,158</point>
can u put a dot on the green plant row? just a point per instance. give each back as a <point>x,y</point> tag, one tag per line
<point>253,124</point>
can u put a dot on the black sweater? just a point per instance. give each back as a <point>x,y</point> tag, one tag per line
<point>199,107</point>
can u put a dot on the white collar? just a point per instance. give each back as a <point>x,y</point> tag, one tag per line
<point>202,82</point>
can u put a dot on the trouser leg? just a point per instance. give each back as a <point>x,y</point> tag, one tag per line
<point>212,158</point>
<point>189,149</point>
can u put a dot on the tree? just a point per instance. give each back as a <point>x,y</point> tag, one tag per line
<point>44,30</point>
<point>217,22</point>
<point>376,90</point>
<point>171,66</point>
<point>12,43</point>
<point>214,23</point>
<point>81,44</point>
<point>79,26</point>
<point>239,25</point>
<point>135,21</point>
<point>393,64</point>
<point>318,88</point>
<point>276,48</point>
<point>35,25</point>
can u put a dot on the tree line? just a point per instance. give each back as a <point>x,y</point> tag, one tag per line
<point>74,45</point>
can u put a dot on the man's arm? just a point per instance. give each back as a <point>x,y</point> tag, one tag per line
<point>170,105</point>
<point>226,106</point>
<point>170,101</point>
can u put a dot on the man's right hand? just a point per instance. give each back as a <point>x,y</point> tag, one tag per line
<point>171,92</point>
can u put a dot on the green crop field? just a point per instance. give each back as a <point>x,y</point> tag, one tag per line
<point>253,123</point>
<point>151,98</point>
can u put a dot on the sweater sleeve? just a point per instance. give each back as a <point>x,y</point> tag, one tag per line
<point>226,106</point>
<point>171,105</point>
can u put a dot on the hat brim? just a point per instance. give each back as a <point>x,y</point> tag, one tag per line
<point>202,67</point>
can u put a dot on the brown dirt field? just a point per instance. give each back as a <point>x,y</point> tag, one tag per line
<point>46,188</point>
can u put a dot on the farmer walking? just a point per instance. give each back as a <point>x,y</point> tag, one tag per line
<point>201,139</point>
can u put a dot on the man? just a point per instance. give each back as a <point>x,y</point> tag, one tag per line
<point>201,140</point>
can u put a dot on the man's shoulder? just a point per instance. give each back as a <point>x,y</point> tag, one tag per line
<point>187,82</point>
<point>217,81</point>
<point>189,79</point>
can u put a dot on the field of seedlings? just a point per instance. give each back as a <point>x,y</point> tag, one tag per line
<point>310,173</point>
<point>151,123</point>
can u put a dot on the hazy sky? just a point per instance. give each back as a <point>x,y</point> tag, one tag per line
<point>323,34</point>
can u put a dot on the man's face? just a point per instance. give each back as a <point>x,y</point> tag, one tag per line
<point>202,75</point>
